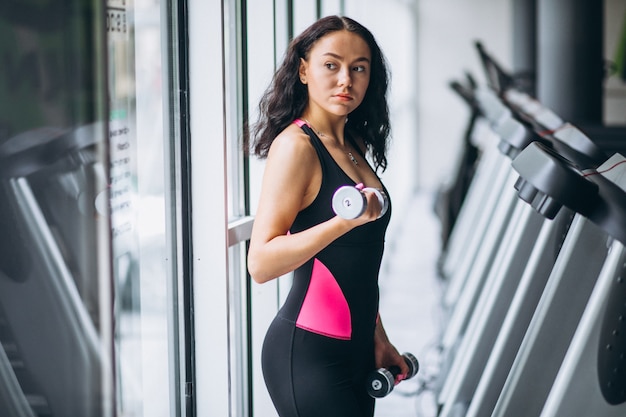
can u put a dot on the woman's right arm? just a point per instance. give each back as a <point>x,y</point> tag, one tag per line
<point>290,182</point>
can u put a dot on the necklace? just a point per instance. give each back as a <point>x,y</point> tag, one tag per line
<point>322,134</point>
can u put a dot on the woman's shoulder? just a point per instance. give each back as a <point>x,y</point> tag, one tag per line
<point>293,164</point>
<point>293,142</point>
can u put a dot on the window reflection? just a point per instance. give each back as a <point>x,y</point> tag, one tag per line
<point>54,324</point>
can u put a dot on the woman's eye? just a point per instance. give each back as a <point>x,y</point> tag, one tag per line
<point>330,65</point>
<point>359,68</point>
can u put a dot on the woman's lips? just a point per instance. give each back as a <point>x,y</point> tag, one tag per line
<point>344,97</point>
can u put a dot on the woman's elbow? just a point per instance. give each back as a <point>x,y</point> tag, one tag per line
<point>258,277</point>
<point>256,271</point>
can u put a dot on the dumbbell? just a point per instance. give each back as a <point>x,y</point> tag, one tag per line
<point>349,202</point>
<point>381,381</point>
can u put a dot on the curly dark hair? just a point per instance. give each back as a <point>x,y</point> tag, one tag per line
<point>286,97</point>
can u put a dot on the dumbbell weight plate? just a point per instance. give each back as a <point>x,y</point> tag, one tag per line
<point>381,384</point>
<point>348,202</point>
<point>413,364</point>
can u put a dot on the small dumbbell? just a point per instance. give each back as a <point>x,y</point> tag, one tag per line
<point>381,381</point>
<point>350,202</point>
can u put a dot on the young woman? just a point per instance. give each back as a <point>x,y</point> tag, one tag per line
<point>323,114</point>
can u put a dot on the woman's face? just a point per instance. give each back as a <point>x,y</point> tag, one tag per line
<point>337,72</point>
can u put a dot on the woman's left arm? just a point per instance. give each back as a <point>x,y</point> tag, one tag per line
<point>386,354</point>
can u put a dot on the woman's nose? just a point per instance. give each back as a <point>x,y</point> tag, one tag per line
<point>344,78</point>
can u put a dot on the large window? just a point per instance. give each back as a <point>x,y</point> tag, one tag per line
<point>89,210</point>
<point>144,218</point>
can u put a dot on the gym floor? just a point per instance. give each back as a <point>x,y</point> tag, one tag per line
<point>409,297</point>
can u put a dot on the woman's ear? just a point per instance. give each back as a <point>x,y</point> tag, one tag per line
<point>302,70</point>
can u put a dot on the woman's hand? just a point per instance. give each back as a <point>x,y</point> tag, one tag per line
<point>386,355</point>
<point>373,208</point>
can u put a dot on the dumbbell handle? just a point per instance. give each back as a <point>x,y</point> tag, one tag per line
<point>394,371</point>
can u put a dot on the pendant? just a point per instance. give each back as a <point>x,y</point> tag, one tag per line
<point>353,159</point>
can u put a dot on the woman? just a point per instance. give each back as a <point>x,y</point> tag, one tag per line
<point>324,112</point>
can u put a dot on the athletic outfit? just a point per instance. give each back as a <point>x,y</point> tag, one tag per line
<point>320,346</point>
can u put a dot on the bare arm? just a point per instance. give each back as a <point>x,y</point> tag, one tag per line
<point>291,181</point>
<point>386,354</point>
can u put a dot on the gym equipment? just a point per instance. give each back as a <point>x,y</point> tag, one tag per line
<point>479,295</point>
<point>498,79</point>
<point>513,90</point>
<point>488,197</point>
<point>564,333</point>
<point>476,201</point>
<point>474,248</point>
<point>551,181</point>
<point>468,353</point>
<point>381,381</point>
<point>479,353</point>
<point>523,260</point>
<point>46,176</point>
<point>487,103</point>
<point>350,202</point>
<point>590,380</point>
<point>493,349</point>
<point>484,233</point>
<point>451,195</point>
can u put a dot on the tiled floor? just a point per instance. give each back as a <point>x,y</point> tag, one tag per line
<point>409,299</point>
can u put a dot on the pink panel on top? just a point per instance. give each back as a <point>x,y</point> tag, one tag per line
<point>300,122</point>
<point>325,310</point>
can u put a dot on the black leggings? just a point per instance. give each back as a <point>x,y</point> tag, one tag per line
<point>310,375</point>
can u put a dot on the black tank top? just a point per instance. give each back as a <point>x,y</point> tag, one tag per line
<point>336,293</point>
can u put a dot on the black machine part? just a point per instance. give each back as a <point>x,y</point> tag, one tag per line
<point>612,343</point>
<point>549,181</point>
